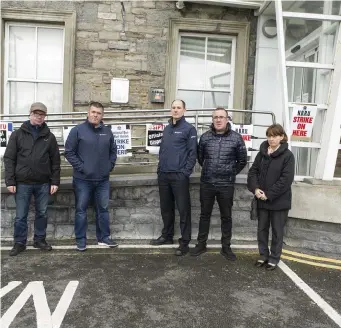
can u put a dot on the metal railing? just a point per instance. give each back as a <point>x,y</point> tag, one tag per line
<point>198,117</point>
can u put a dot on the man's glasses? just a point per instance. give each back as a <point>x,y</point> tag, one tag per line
<point>38,114</point>
<point>216,118</point>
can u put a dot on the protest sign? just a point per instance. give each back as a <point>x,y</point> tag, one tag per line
<point>154,136</point>
<point>246,132</point>
<point>302,122</point>
<point>6,129</point>
<point>122,134</point>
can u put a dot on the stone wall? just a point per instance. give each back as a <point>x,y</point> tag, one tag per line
<point>134,212</point>
<point>102,52</point>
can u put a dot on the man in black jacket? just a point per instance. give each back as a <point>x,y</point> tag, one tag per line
<point>32,167</point>
<point>222,155</point>
<point>177,157</point>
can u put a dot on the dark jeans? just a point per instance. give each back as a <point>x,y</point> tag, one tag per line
<point>84,191</point>
<point>277,219</point>
<point>23,196</point>
<point>224,195</point>
<point>175,187</point>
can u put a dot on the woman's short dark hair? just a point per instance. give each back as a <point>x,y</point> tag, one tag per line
<point>275,130</point>
<point>183,103</point>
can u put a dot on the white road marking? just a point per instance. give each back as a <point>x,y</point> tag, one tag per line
<point>44,317</point>
<point>11,285</point>
<point>61,247</point>
<point>332,314</point>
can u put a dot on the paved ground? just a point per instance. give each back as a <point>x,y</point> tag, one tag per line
<point>143,288</point>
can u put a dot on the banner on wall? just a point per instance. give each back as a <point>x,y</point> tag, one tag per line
<point>122,134</point>
<point>303,118</point>
<point>6,128</point>
<point>246,132</point>
<point>154,136</point>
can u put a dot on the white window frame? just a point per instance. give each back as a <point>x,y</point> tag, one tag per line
<point>233,65</point>
<point>38,16</point>
<point>7,79</point>
<point>326,160</point>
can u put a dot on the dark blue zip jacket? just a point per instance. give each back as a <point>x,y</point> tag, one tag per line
<point>178,148</point>
<point>91,151</point>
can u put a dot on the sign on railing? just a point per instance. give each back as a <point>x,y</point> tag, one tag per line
<point>6,128</point>
<point>153,137</point>
<point>246,132</point>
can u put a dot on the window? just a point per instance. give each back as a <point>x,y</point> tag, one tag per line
<point>205,75</point>
<point>38,61</point>
<point>202,58</point>
<point>34,64</point>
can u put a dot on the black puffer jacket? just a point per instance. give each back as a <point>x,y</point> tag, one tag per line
<point>274,174</point>
<point>222,156</point>
<point>32,160</point>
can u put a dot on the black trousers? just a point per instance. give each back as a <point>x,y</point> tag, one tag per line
<point>224,195</point>
<point>175,187</point>
<point>277,219</point>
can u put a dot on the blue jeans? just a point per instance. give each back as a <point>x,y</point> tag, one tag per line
<point>84,190</point>
<point>23,196</point>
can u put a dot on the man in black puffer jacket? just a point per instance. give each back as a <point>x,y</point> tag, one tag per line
<point>222,155</point>
<point>32,167</point>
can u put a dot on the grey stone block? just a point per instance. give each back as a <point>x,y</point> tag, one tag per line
<point>302,234</point>
<point>7,218</point>
<point>65,231</point>
<point>119,45</point>
<point>329,237</point>
<point>58,215</point>
<point>10,202</point>
<point>6,233</point>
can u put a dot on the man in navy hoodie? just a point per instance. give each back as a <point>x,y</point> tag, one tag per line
<point>91,150</point>
<point>177,157</point>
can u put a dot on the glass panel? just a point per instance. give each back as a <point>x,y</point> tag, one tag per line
<point>216,99</point>
<point>302,36</point>
<point>308,85</point>
<point>51,95</point>
<point>22,50</point>
<point>21,97</point>
<point>50,54</point>
<point>218,63</point>
<point>193,99</point>
<point>192,63</point>
<point>305,160</point>
<point>313,7</point>
<point>337,172</point>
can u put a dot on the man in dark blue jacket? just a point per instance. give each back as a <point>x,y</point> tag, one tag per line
<point>91,150</point>
<point>177,158</point>
<point>222,155</point>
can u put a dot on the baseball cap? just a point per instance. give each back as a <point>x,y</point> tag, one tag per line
<point>38,106</point>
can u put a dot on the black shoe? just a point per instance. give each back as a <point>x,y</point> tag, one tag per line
<point>182,250</point>
<point>270,267</point>
<point>43,245</point>
<point>161,241</point>
<point>17,248</point>
<point>199,249</point>
<point>260,263</point>
<point>226,251</point>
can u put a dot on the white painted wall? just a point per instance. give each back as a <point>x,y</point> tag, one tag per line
<point>267,96</point>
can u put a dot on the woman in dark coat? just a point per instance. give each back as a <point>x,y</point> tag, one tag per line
<point>270,179</point>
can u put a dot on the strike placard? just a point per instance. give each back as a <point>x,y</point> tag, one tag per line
<point>6,129</point>
<point>303,118</point>
<point>122,134</point>
<point>246,132</point>
<point>154,136</point>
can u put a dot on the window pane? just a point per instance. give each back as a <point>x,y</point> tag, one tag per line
<point>22,50</point>
<point>21,97</point>
<point>216,99</point>
<point>303,35</point>
<point>192,63</point>
<point>218,63</point>
<point>329,7</point>
<point>50,54</point>
<point>51,95</point>
<point>308,85</point>
<point>337,172</point>
<point>305,160</point>
<point>193,99</point>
